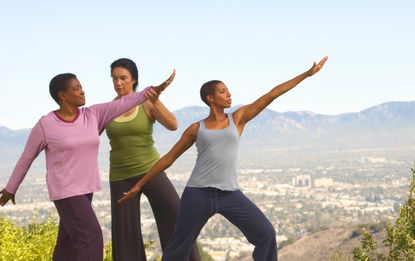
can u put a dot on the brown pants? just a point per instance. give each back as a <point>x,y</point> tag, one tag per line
<point>127,241</point>
<point>79,234</point>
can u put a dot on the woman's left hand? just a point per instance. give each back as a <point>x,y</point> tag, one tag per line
<point>317,67</point>
<point>166,83</point>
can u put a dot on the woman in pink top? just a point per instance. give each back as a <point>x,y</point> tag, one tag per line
<point>70,138</point>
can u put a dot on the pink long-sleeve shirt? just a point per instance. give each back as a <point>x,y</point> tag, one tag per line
<point>71,148</point>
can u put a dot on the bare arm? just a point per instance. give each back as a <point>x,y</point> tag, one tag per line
<point>106,112</point>
<point>185,142</point>
<point>248,112</point>
<point>156,110</point>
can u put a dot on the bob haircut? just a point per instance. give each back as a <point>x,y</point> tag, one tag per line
<point>129,65</point>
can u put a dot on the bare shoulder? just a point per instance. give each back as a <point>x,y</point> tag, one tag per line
<point>192,129</point>
<point>238,114</point>
<point>189,135</point>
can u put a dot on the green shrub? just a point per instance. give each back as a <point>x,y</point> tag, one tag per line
<point>37,240</point>
<point>33,242</point>
<point>400,236</point>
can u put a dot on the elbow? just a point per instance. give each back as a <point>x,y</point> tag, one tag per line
<point>167,160</point>
<point>173,125</point>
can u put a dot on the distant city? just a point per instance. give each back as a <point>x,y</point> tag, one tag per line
<point>306,172</point>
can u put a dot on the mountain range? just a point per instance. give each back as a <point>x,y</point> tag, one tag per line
<point>383,125</point>
<point>394,121</point>
<point>387,123</point>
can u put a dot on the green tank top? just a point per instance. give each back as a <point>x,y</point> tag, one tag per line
<point>132,146</point>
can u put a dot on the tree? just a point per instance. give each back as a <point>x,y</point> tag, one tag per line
<point>400,236</point>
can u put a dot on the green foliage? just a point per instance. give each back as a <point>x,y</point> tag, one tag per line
<point>367,251</point>
<point>33,242</point>
<point>37,241</point>
<point>108,252</point>
<point>400,237</point>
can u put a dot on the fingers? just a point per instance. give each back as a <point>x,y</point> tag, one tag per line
<point>171,78</point>
<point>5,197</point>
<point>324,59</point>
<point>152,95</point>
<point>322,62</point>
<point>4,200</point>
<point>129,194</point>
<point>126,196</point>
<point>316,67</point>
<point>120,200</point>
<point>166,83</point>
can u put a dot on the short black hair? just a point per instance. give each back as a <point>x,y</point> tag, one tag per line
<point>208,88</point>
<point>59,83</point>
<point>130,66</point>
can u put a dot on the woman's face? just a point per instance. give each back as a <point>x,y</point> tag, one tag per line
<point>122,80</point>
<point>221,96</point>
<point>73,94</point>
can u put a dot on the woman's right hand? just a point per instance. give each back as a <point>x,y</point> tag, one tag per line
<point>131,193</point>
<point>5,197</point>
<point>166,83</point>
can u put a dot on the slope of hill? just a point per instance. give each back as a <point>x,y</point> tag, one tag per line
<point>325,245</point>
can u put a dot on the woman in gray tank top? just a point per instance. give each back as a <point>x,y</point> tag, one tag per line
<point>213,187</point>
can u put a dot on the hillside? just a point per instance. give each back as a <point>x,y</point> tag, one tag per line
<point>325,245</point>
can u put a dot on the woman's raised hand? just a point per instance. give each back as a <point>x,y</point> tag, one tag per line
<point>166,83</point>
<point>316,67</point>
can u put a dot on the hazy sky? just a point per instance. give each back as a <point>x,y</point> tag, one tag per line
<point>250,45</point>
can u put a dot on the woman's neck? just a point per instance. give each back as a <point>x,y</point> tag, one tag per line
<point>216,114</point>
<point>67,113</point>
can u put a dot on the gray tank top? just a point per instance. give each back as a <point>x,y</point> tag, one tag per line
<point>217,153</point>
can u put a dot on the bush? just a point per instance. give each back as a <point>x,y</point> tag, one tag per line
<point>37,241</point>
<point>33,242</point>
<point>400,237</point>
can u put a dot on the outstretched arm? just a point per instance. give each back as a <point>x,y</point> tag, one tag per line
<point>106,112</point>
<point>34,145</point>
<point>156,110</point>
<point>185,142</point>
<point>248,112</point>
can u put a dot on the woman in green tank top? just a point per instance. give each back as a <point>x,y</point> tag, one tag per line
<point>132,155</point>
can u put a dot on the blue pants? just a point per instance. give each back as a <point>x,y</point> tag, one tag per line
<point>197,205</point>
